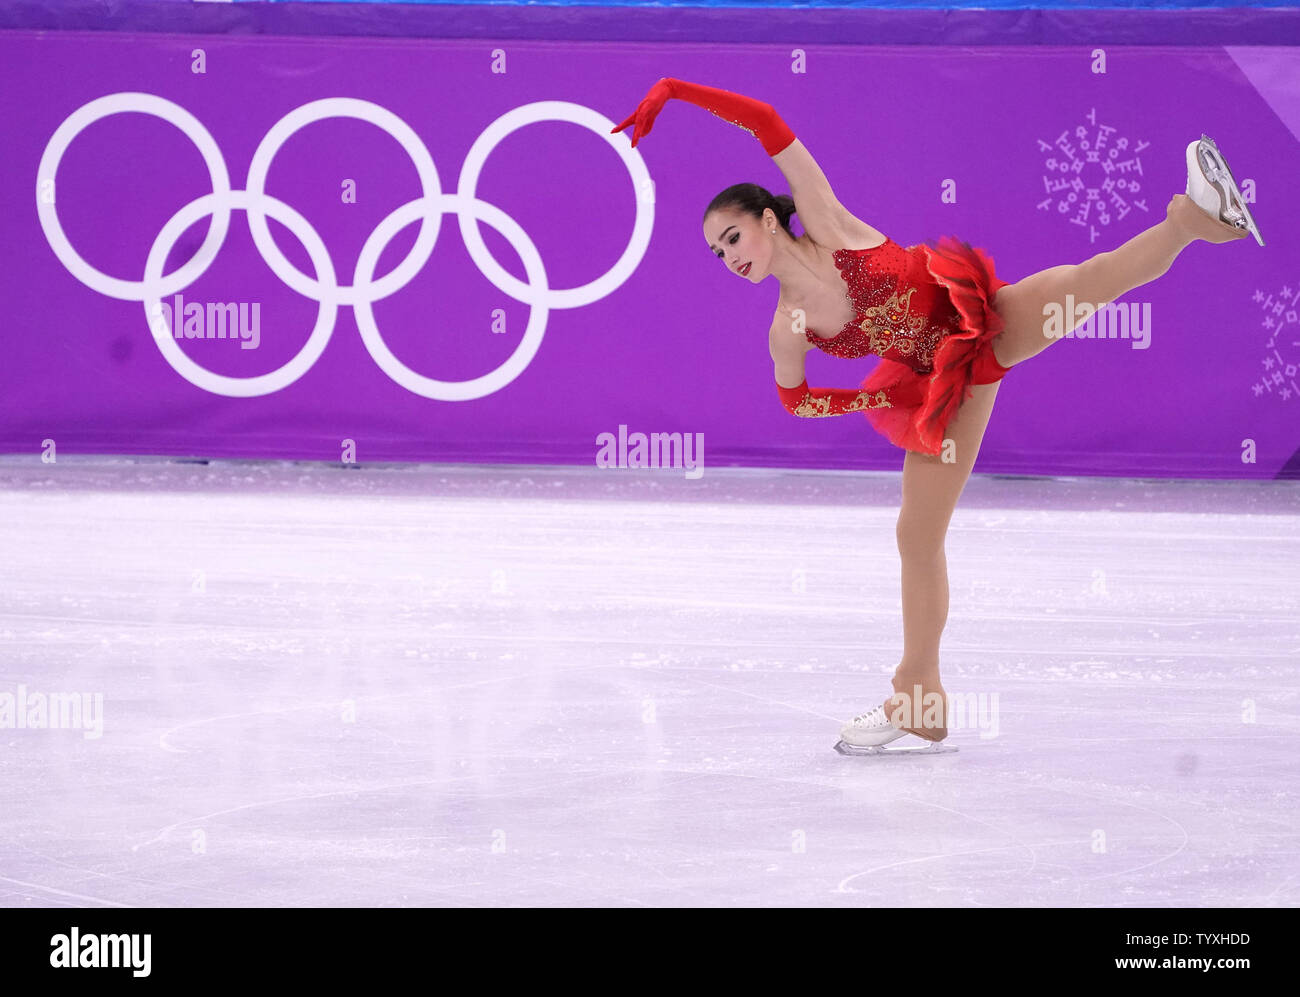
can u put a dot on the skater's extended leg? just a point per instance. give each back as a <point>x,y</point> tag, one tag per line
<point>1025,305</point>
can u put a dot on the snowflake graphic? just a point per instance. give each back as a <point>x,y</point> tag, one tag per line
<point>1281,323</point>
<point>1091,177</point>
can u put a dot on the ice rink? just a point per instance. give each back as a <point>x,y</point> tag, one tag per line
<point>461,685</point>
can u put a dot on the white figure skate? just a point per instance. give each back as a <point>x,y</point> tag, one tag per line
<point>871,733</point>
<point>1214,189</point>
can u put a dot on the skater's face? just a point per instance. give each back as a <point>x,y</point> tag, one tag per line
<point>741,241</point>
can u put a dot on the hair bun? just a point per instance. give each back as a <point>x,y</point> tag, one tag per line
<point>753,200</point>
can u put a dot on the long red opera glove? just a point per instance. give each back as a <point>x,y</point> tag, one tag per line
<point>755,116</point>
<point>815,402</point>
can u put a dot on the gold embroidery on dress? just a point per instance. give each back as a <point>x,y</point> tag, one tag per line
<point>813,407</point>
<point>889,328</point>
<point>892,325</point>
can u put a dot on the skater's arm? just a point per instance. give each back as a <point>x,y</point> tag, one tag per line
<point>820,212</point>
<point>787,352</point>
<point>817,402</point>
<point>754,116</point>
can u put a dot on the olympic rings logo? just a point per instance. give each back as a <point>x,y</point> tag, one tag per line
<point>365,288</point>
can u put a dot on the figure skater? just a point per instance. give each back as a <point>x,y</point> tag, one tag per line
<point>946,328</point>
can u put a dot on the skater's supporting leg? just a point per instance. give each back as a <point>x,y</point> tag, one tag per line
<point>930,492</point>
<point>1025,305</point>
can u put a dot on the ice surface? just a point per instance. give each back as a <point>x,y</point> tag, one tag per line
<point>471,685</point>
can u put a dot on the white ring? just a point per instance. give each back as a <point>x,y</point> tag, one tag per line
<point>72,126</point>
<point>386,121</point>
<point>516,363</point>
<point>467,186</point>
<point>199,376</point>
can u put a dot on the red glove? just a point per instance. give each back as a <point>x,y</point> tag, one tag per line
<point>814,402</point>
<point>755,116</point>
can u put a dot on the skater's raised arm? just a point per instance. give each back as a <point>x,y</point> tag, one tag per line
<point>820,212</point>
<point>787,352</point>
<point>756,117</point>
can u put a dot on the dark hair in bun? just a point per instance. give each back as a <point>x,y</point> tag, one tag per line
<point>754,200</point>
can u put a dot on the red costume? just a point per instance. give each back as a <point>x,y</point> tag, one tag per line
<point>926,311</point>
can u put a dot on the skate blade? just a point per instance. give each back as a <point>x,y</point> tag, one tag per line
<point>933,748</point>
<point>1225,172</point>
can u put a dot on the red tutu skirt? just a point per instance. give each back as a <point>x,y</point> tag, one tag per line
<point>924,404</point>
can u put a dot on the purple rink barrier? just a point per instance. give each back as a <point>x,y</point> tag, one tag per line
<point>565,295</point>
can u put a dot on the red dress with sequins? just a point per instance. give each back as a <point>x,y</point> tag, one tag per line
<point>927,312</point>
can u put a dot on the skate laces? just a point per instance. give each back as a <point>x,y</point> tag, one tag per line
<point>871,718</point>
